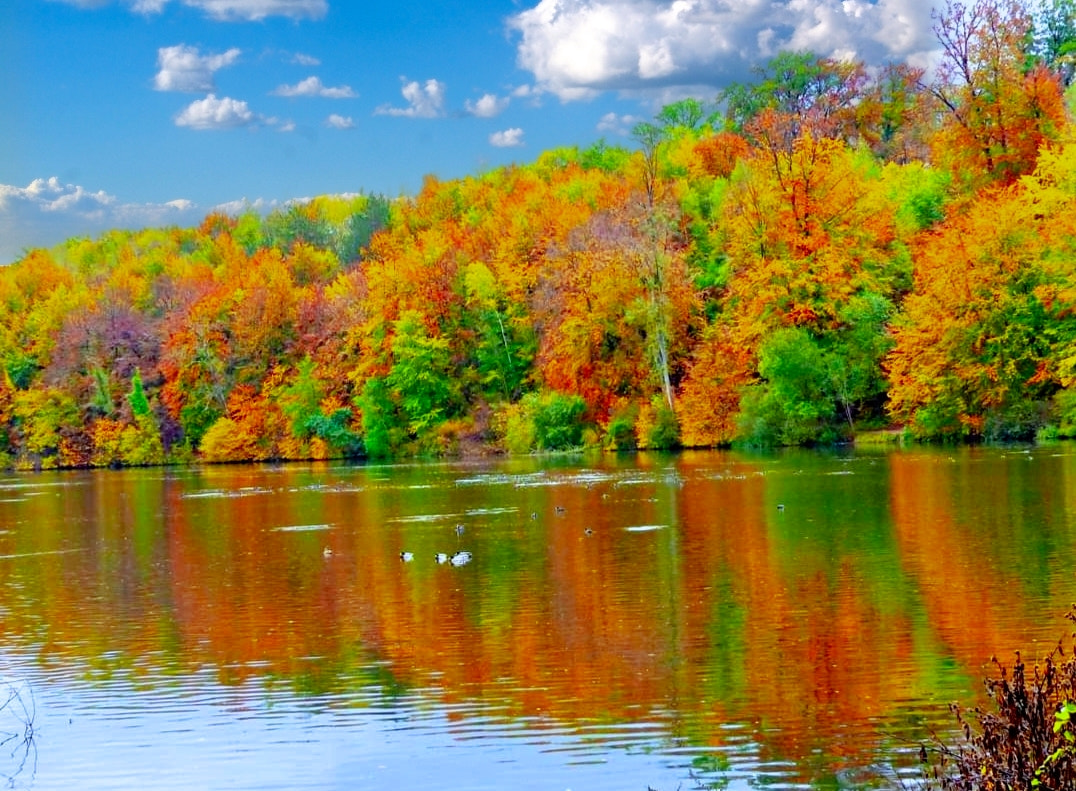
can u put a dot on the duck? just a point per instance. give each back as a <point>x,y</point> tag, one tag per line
<point>441,557</point>
<point>460,558</point>
<point>407,557</point>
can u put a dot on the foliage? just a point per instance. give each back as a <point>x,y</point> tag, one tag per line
<point>381,432</point>
<point>657,427</point>
<point>558,420</point>
<point>620,433</point>
<point>837,248</point>
<point>137,397</point>
<point>998,112</point>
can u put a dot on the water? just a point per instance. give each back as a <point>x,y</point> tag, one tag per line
<point>717,620</point>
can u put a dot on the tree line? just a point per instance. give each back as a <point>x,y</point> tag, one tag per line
<point>824,250</point>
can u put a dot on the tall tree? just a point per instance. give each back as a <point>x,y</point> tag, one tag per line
<point>998,112</point>
<point>1055,37</point>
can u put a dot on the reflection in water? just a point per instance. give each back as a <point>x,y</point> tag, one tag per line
<point>705,618</point>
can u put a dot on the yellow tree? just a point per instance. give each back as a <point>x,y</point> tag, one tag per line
<point>981,343</point>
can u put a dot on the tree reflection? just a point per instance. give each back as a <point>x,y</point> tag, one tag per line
<point>667,590</point>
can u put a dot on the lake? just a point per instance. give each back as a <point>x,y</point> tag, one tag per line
<point>699,620</point>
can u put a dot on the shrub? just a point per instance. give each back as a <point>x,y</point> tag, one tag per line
<point>665,433</point>
<point>541,421</point>
<point>515,424</point>
<point>620,435</point>
<point>657,427</point>
<point>558,419</point>
<point>1065,404</point>
<point>224,442</point>
<point>1027,742</point>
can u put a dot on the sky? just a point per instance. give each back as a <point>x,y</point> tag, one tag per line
<point>133,113</point>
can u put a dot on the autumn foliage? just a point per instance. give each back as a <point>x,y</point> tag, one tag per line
<point>841,249</point>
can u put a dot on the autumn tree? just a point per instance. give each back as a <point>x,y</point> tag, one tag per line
<point>985,341</point>
<point>998,112</point>
<point>798,92</point>
<point>813,247</point>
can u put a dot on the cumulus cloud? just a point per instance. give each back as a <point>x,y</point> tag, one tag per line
<point>214,113</point>
<point>425,100</point>
<point>227,10</point>
<point>183,68</point>
<point>48,211</point>
<point>489,106</point>
<point>335,121</point>
<point>578,48</point>
<point>509,138</point>
<point>312,86</point>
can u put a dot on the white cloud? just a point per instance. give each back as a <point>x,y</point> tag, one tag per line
<point>578,48</point>
<point>214,113</point>
<point>254,10</point>
<point>305,60</point>
<point>489,106</point>
<point>509,138</point>
<point>312,86</point>
<point>335,121</point>
<point>227,10</point>
<point>618,124</point>
<point>424,101</point>
<point>48,211</point>
<point>182,68</point>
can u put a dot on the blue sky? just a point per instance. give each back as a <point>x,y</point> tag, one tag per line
<point>126,113</point>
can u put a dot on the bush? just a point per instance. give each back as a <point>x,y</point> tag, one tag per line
<point>541,421</point>
<point>515,425</point>
<point>657,427</point>
<point>1027,742</point>
<point>225,442</point>
<point>558,420</point>
<point>665,433</point>
<point>1065,404</point>
<point>620,435</point>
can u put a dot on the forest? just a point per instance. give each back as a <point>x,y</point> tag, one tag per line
<point>827,250</point>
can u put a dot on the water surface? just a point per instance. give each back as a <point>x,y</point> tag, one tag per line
<point>722,620</point>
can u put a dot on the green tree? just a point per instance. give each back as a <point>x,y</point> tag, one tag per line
<point>137,397</point>
<point>420,374</point>
<point>503,359</point>
<point>301,403</point>
<point>379,424</point>
<point>793,404</point>
<point>1055,37</point>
